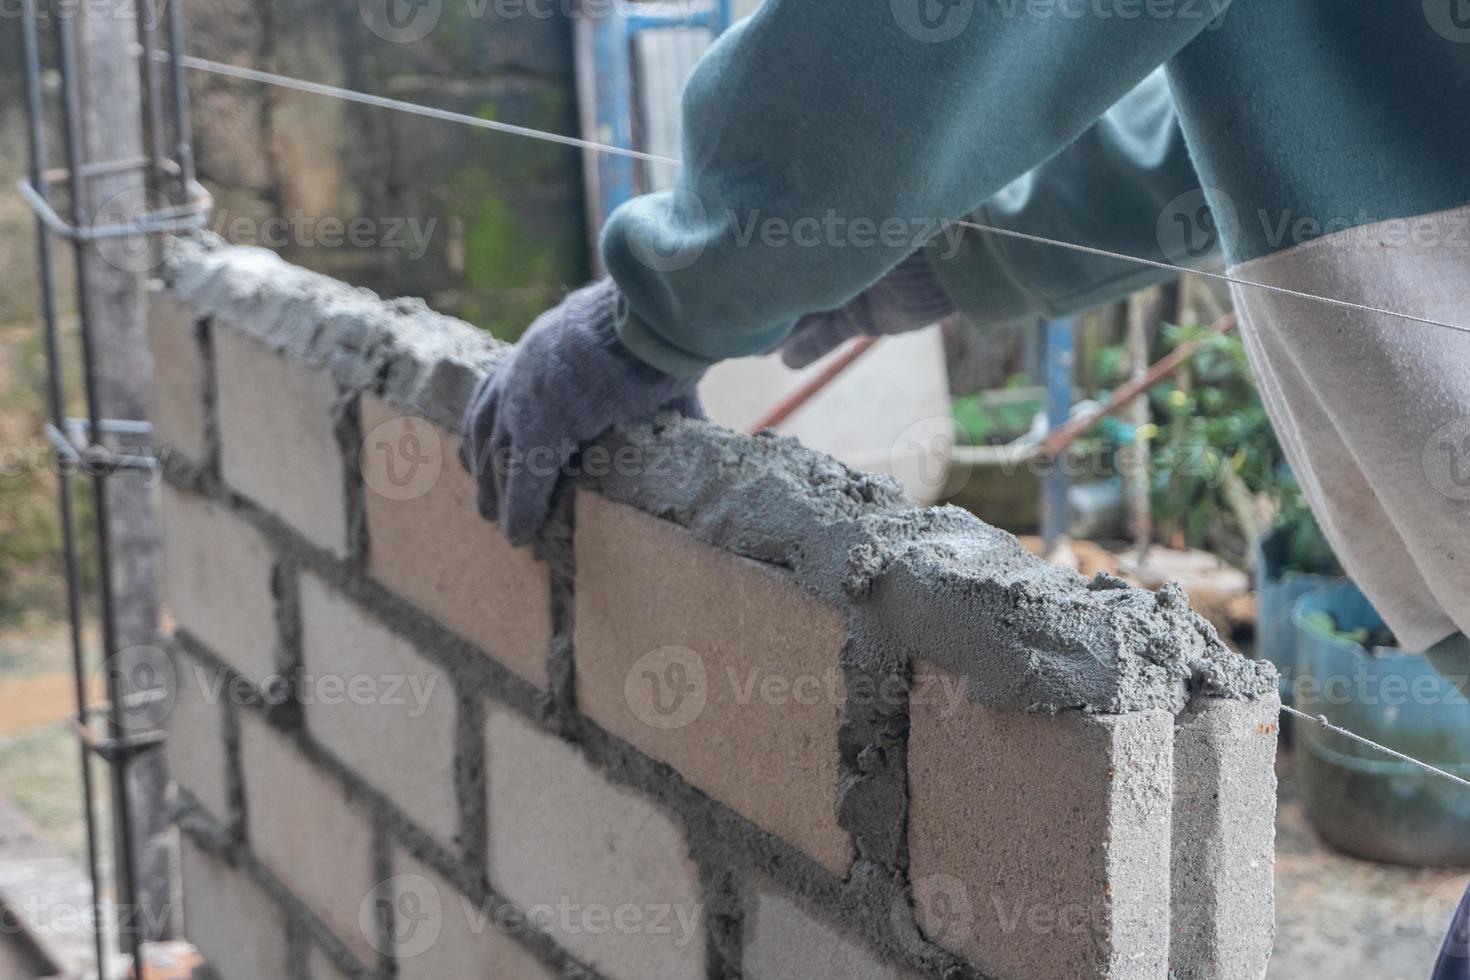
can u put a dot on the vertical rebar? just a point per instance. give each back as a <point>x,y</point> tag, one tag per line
<point>183,126</point>
<point>56,397</point>
<point>153,91</point>
<point>91,370</point>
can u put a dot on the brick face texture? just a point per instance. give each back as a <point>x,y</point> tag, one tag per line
<point>278,443</point>
<point>452,935</point>
<point>721,667</point>
<point>230,918</point>
<point>217,581</point>
<point>196,736</point>
<point>431,546</point>
<point>648,746</point>
<point>563,838</point>
<point>783,939</point>
<point>308,833</point>
<point>378,706</point>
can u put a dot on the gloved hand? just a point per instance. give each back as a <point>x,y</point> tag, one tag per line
<point>908,298</point>
<point>564,383</point>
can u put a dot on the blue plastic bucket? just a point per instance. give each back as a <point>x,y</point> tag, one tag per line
<point>1277,590</point>
<point>1360,800</point>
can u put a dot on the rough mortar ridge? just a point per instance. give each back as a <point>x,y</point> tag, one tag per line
<point>422,361</point>
<point>1027,635</point>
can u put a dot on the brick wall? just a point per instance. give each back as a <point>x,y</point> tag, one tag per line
<point>739,712</point>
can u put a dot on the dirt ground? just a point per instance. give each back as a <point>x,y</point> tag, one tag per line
<point>1337,916</point>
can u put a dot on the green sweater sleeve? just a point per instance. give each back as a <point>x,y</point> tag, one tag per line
<point>1127,185</point>
<point>824,140</point>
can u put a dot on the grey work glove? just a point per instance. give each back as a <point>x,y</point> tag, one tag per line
<point>564,383</point>
<point>908,298</point>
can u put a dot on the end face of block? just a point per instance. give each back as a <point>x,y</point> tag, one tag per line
<point>1039,844</point>
<point>179,377</point>
<point>1223,917</point>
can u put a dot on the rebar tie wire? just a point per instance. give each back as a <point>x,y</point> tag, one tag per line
<point>445,115</point>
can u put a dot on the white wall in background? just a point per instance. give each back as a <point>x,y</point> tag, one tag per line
<point>887,413</point>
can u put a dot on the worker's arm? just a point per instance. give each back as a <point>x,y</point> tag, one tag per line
<point>1126,185</point>
<point>825,140</point>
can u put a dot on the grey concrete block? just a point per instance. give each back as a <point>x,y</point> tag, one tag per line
<point>309,833</point>
<point>217,581</point>
<point>232,921</point>
<point>177,410</point>
<point>602,869</point>
<point>379,707</point>
<point>784,938</point>
<point>278,443</point>
<point>1039,844</point>
<point>196,736</point>
<point>1223,918</point>
<point>450,934</point>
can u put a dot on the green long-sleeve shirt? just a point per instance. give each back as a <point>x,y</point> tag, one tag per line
<point>824,140</point>
<point>840,114</point>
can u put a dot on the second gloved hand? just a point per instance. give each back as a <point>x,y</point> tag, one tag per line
<point>908,298</point>
<point>566,381</point>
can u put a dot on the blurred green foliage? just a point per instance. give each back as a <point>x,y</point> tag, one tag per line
<point>31,566</point>
<point>1218,477</point>
<point>1323,622</point>
<point>983,418</point>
